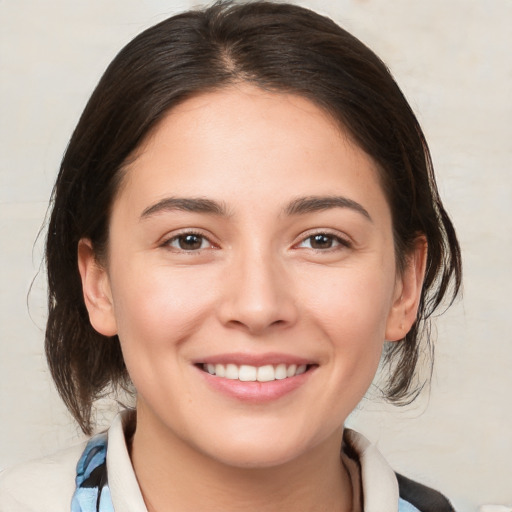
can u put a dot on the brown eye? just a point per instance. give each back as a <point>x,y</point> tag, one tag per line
<point>321,241</point>
<point>324,241</point>
<point>188,242</point>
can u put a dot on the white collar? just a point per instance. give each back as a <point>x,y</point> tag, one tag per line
<point>379,483</point>
<point>124,488</point>
<point>380,487</point>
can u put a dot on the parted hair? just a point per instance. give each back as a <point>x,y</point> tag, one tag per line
<point>274,46</point>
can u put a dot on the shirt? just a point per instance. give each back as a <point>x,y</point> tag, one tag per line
<point>50,484</point>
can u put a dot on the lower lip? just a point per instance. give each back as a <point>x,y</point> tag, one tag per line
<point>256,392</point>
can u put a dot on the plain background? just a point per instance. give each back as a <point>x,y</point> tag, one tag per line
<point>452,59</point>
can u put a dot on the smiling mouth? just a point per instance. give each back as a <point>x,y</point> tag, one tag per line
<point>248,373</point>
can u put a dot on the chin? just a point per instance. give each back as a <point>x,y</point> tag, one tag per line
<point>262,449</point>
<point>261,456</point>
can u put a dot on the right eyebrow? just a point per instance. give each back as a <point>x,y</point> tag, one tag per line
<point>186,204</point>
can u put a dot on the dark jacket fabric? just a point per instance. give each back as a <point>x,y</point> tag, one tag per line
<point>422,497</point>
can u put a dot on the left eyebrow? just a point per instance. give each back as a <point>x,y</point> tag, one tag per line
<point>186,204</point>
<point>311,204</point>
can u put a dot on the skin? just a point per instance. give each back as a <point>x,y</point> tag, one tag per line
<point>254,283</point>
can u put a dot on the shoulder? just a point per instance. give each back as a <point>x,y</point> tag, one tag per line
<point>422,497</point>
<point>42,485</point>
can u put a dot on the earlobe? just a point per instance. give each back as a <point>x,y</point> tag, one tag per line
<point>96,290</point>
<point>407,293</point>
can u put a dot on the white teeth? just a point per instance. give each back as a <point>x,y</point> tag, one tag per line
<point>248,373</point>
<point>290,372</point>
<point>266,373</point>
<point>232,371</point>
<point>220,370</point>
<point>301,369</point>
<point>281,371</point>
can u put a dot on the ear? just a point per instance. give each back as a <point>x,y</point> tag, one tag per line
<point>407,295</point>
<point>96,290</point>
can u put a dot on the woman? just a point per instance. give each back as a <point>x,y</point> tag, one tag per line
<point>246,217</point>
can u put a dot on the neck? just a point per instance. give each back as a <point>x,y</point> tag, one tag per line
<point>173,475</point>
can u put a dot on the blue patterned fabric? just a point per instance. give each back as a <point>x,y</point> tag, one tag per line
<point>405,506</point>
<point>92,493</point>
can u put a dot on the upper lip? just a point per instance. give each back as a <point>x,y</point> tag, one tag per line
<point>272,358</point>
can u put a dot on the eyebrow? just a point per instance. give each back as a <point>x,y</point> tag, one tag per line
<point>299,206</point>
<point>310,204</point>
<point>186,204</point>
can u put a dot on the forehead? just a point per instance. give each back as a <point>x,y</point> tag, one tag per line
<point>248,143</point>
<point>248,113</point>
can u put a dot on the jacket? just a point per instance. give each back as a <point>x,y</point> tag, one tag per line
<point>51,484</point>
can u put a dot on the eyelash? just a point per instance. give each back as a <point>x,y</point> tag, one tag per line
<point>332,238</point>
<point>341,242</point>
<point>180,236</point>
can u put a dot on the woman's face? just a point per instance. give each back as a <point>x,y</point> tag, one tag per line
<point>251,277</point>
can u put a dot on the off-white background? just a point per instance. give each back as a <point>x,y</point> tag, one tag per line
<point>453,61</point>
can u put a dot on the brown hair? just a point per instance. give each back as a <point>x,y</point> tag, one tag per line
<point>273,46</point>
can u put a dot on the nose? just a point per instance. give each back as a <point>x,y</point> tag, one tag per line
<point>257,294</point>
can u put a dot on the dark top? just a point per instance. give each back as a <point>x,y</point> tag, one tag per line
<point>422,497</point>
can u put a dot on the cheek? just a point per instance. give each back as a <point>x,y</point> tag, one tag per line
<point>157,307</point>
<point>350,310</point>
<point>355,302</point>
